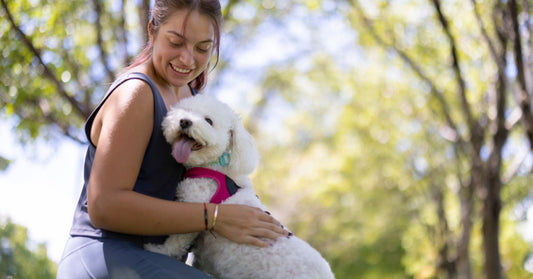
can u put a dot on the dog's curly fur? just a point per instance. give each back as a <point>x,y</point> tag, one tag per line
<point>215,129</point>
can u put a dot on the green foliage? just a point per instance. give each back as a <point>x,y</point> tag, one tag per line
<point>359,167</point>
<point>4,163</point>
<point>357,155</point>
<point>17,259</point>
<point>51,71</point>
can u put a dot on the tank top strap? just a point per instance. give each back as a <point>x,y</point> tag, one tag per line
<point>158,100</point>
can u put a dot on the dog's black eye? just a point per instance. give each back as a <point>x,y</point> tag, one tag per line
<point>208,120</point>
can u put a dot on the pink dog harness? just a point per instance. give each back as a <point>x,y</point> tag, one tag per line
<point>226,186</point>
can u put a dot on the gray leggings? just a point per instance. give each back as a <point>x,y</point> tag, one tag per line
<point>86,257</point>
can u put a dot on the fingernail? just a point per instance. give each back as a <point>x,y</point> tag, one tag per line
<point>268,213</point>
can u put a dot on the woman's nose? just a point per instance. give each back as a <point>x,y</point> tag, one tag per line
<point>187,57</point>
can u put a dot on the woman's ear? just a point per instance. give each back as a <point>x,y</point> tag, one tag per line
<point>150,33</point>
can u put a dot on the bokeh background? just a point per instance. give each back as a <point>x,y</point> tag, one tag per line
<point>396,136</point>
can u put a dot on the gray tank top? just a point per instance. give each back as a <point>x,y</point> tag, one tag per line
<point>158,176</point>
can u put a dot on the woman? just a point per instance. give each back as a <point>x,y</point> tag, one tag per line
<point>130,176</point>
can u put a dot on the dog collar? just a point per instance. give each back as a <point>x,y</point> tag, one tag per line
<point>226,186</point>
<point>223,161</point>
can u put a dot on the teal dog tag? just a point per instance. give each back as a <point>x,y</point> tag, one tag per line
<point>224,159</point>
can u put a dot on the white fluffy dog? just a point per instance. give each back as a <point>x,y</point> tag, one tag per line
<point>207,133</point>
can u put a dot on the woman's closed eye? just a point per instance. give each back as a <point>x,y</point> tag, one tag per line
<point>176,43</point>
<point>204,47</point>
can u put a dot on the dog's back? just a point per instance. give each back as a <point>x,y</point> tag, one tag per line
<point>289,257</point>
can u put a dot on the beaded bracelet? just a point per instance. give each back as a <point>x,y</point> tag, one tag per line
<point>205,217</point>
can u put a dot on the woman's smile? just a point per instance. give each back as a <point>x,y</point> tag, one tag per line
<point>180,70</point>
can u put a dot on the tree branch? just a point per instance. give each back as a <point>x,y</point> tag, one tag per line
<point>47,71</point>
<point>439,95</point>
<point>143,9</point>
<point>226,13</point>
<point>123,34</point>
<point>49,117</point>
<point>484,33</point>
<point>523,73</point>
<point>514,166</point>
<point>475,130</point>
<point>99,40</point>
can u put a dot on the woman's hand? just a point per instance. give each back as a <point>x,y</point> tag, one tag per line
<point>248,225</point>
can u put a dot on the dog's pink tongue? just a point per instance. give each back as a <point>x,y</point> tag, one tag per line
<point>182,149</point>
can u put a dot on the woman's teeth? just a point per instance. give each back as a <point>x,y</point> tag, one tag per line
<point>179,70</point>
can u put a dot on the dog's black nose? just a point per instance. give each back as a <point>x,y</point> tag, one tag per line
<point>185,123</point>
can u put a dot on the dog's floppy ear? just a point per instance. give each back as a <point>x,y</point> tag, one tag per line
<point>244,154</point>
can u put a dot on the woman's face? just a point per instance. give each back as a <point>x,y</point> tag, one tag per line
<point>182,49</point>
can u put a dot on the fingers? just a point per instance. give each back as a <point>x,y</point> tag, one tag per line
<point>272,224</point>
<point>257,242</point>
<point>267,217</point>
<point>270,233</point>
<point>283,229</point>
<point>249,225</point>
<point>268,228</point>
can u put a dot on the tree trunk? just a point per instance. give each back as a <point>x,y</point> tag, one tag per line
<point>143,8</point>
<point>491,223</point>
<point>491,198</point>
<point>464,270</point>
<point>447,264</point>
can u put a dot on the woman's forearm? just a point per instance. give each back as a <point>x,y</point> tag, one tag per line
<point>134,213</point>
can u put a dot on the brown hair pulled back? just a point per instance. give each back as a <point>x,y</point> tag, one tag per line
<point>161,12</point>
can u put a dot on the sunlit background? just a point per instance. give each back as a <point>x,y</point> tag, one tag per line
<point>355,105</point>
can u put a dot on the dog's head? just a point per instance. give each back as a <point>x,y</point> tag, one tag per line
<point>201,129</point>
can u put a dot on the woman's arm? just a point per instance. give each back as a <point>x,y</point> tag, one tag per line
<point>121,131</point>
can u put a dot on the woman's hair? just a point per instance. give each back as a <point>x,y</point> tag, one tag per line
<point>161,12</point>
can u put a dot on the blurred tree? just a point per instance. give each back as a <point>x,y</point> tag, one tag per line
<point>377,119</point>
<point>442,149</point>
<point>17,259</point>
<point>474,74</point>
<point>4,163</point>
<point>52,77</point>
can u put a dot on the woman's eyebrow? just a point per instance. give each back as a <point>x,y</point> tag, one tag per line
<point>176,33</point>
<point>183,37</point>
